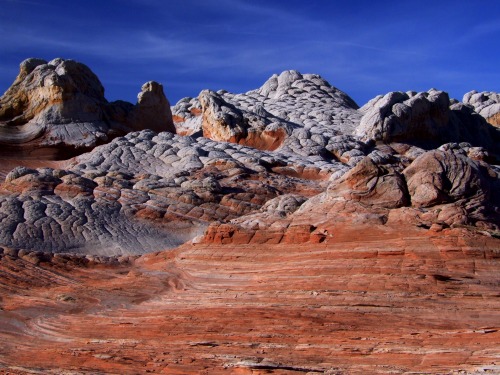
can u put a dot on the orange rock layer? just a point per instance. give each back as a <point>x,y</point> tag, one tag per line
<point>379,302</point>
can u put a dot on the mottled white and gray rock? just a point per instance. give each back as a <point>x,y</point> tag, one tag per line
<point>292,112</point>
<point>426,119</point>
<point>487,104</point>
<point>187,116</point>
<point>147,191</point>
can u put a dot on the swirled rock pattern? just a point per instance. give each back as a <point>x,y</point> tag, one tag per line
<point>369,299</point>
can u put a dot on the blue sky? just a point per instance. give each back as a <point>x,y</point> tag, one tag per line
<point>365,48</point>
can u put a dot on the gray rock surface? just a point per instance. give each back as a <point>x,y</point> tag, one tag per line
<point>148,191</point>
<point>427,119</point>
<point>487,104</point>
<point>187,116</point>
<point>292,112</point>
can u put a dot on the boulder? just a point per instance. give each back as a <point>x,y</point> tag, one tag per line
<point>371,184</point>
<point>444,176</point>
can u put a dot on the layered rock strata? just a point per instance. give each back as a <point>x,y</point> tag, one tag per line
<point>372,299</point>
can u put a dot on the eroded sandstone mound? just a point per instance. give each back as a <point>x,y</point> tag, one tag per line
<point>304,114</point>
<point>61,104</point>
<point>292,112</point>
<point>427,119</point>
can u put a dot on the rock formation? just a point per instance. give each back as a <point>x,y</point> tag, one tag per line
<point>61,104</point>
<point>427,119</point>
<point>186,115</point>
<point>143,192</point>
<point>147,190</point>
<point>291,112</point>
<point>487,104</point>
<point>281,230</point>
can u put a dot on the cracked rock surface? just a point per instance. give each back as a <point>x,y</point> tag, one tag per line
<point>292,112</point>
<point>144,192</point>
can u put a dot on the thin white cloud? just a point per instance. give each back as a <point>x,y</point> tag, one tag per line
<point>477,32</point>
<point>411,51</point>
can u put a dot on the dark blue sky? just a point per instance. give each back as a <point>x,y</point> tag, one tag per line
<point>365,48</point>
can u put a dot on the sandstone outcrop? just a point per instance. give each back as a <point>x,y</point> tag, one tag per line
<point>304,114</point>
<point>438,189</point>
<point>446,176</point>
<point>291,112</point>
<point>145,191</point>
<point>61,104</point>
<point>283,230</point>
<point>371,184</point>
<point>487,104</point>
<point>152,110</point>
<point>187,117</point>
<point>426,119</point>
